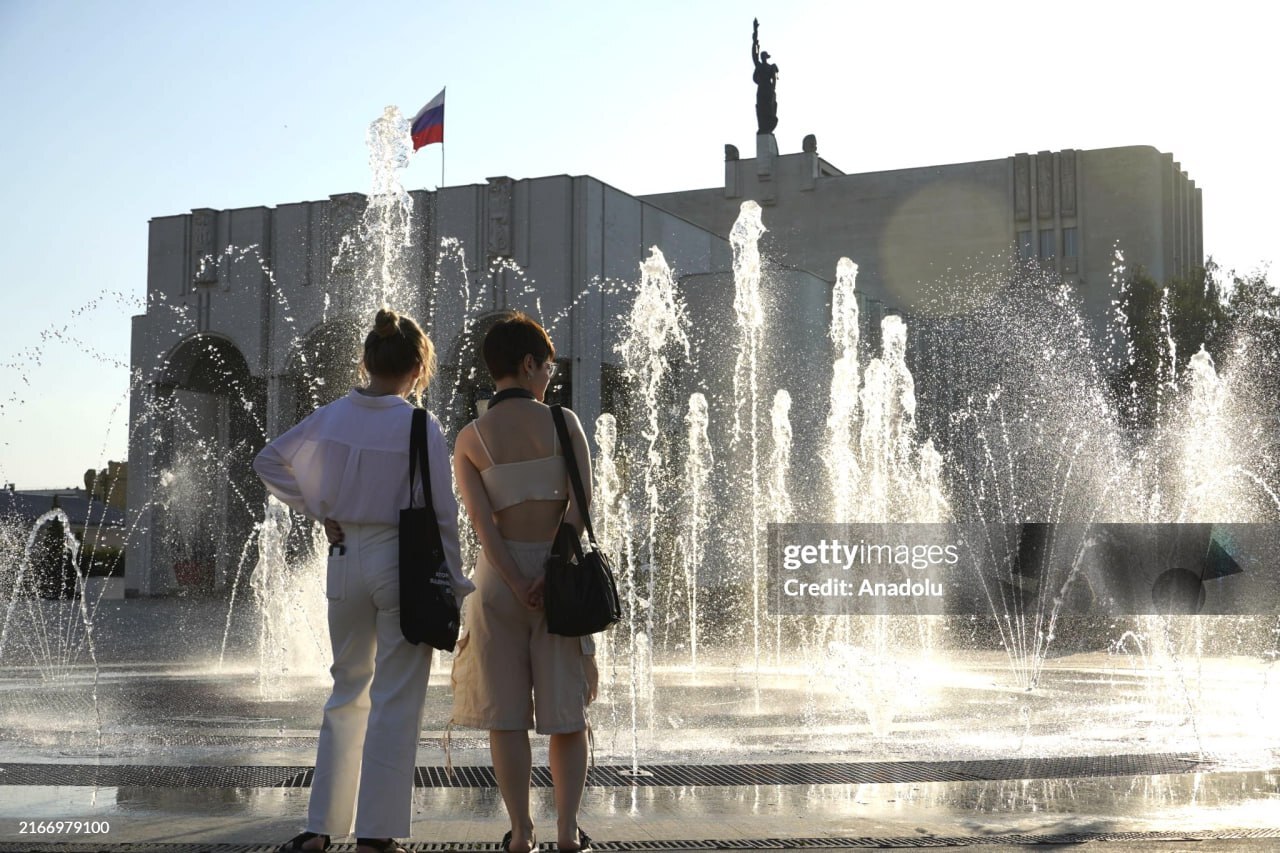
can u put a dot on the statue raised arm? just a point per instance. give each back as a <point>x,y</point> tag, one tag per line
<point>766,80</point>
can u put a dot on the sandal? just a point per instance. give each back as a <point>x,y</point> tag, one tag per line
<point>504,846</point>
<point>382,845</point>
<point>584,844</point>
<point>297,841</point>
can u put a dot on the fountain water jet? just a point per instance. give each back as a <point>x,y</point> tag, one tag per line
<point>779,491</point>
<point>289,595</point>
<point>696,519</point>
<point>655,334</point>
<point>748,309</point>
<point>843,470</point>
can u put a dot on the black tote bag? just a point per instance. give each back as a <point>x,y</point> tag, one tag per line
<point>428,608</point>
<point>581,596</point>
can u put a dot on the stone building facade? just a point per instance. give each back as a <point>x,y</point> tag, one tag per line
<point>255,314</point>
<point>914,230</point>
<point>255,318</point>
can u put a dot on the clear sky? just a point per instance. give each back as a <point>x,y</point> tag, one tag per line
<point>116,112</point>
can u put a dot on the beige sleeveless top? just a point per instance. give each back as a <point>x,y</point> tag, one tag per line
<point>511,483</point>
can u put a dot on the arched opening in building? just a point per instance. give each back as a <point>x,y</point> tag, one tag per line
<point>210,426</point>
<point>324,366</point>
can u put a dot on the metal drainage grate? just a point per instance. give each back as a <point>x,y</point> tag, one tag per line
<point>1119,838</point>
<point>665,775</point>
<point>148,776</point>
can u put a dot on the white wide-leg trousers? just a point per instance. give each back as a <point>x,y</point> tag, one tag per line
<point>369,737</point>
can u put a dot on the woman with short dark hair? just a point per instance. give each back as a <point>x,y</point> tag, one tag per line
<point>512,475</point>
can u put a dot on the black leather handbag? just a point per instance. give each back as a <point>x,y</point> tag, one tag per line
<point>581,596</point>
<point>428,608</point>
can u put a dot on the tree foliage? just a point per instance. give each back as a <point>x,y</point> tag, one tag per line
<point>1251,318</point>
<point>1135,383</point>
<point>1197,314</point>
<point>1248,340</point>
<point>1236,317</point>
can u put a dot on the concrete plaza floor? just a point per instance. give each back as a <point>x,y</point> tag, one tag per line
<point>158,748</point>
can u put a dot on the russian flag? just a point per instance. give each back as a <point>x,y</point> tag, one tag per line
<point>428,124</point>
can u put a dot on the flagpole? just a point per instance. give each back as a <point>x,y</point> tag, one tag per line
<point>441,163</point>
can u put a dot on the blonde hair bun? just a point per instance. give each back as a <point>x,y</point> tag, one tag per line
<point>395,346</point>
<point>386,323</point>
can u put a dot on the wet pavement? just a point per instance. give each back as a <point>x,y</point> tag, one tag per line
<point>159,744</point>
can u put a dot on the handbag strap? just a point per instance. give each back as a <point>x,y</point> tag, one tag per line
<point>571,458</point>
<point>418,457</point>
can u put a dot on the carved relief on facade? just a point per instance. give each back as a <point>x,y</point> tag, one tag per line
<point>1067,181</point>
<point>204,234</point>
<point>1022,187</point>
<point>1044,184</point>
<point>499,206</point>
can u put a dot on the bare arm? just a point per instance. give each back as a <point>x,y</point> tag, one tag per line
<point>575,514</point>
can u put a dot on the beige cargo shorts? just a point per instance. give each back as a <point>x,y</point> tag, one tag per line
<point>507,670</point>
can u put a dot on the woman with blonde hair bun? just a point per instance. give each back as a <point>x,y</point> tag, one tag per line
<point>347,464</point>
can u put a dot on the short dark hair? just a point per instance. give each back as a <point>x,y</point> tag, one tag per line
<point>510,339</point>
<point>395,346</point>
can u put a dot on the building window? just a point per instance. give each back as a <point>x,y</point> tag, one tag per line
<point>1026,246</point>
<point>1070,248</point>
<point>1048,245</point>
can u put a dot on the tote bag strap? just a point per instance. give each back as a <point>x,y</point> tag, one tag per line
<point>571,459</point>
<point>418,457</point>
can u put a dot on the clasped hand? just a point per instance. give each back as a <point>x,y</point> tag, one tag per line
<point>529,592</point>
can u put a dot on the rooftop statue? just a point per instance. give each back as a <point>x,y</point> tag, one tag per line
<point>766,79</point>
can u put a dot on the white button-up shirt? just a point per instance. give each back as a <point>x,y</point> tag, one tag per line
<point>349,461</point>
